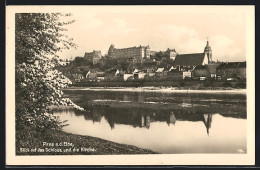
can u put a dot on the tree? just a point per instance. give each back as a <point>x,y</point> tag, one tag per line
<point>38,85</point>
<point>79,61</point>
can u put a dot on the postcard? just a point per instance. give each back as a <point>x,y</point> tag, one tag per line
<point>130,85</point>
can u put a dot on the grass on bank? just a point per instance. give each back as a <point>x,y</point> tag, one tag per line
<point>30,142</point>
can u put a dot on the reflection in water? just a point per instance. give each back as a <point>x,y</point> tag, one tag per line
<point>207,121</point>
<point>172,119</point>
<point>137,118</point>
<point>162,122</point>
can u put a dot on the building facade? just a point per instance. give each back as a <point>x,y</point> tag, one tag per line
<point>171,53</point>
<point>201,71</point>
<point>134,54</point>
<point>231,70</point>
<point>94,56</point>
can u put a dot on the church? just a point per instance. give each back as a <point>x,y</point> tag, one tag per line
<point>194,59</point>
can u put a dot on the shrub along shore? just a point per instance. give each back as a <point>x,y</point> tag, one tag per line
<point>195,84</point>
<point>55,142</point>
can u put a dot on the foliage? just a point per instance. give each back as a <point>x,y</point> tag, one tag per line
<point>40,34</point>
<point>79,61</point>
<point>160,55</point>
<point>226,84</point>
<point>38,85</point>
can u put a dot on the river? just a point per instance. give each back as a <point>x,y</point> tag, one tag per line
<point>168,123</point>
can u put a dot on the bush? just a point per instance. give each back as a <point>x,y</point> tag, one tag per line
<point>241,85</point>
<point>226,84</point>
<point>207,84</point>
<point>182,84</point>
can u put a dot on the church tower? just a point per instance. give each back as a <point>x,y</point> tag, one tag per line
<point>208,51</point>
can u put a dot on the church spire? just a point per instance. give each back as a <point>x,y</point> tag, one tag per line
<point>208,51</point>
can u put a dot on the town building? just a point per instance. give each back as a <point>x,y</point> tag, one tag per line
<point>139,75</point>
<point>213,69</point>
<point>77,77</point>
<point>152,53</point>
<point>128,76</point>
<point>206,71</point>
<point>150,72</point>
<point>119,73</point>
<point>161,72</point>
<point>201,72</point>
<point>186,74</point>
<point>93,57</point>
<point>63,62</point>
<point>100,75</point>
<point>91,75</point>
<point>132,54</point>
<point>171,53</point>
<point>231,71</point>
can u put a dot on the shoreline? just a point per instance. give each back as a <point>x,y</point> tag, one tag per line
<point>163,90</point>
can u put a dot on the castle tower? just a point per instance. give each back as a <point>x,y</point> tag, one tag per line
<point>208,51</point>
<point>110,50</point>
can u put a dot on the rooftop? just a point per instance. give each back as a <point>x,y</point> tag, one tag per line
<point>232,65</point>
<point>194,59</point>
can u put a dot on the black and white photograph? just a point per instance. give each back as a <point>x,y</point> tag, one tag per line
<point>150,85</point>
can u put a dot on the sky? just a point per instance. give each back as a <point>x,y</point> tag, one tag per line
<point>183,28</point>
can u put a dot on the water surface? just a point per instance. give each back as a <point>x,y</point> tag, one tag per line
<point>162,122</point>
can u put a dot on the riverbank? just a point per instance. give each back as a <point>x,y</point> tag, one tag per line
<point>215,90</point>
<point>63,143</point>
<point>164,83</point>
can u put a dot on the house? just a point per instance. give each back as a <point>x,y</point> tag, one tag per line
<point>171,53</point>
<point>100,75</point>
<point>201,72</point>
<point>63,62</point>
<point>231,70</point>
<point>186,74</point>
<point>119,73</point>
<point>150,72</point>
<point>160,72</point>
<point>212,67</point>
<point>128,76</point>
<point>206,71</point>
<point>86,73</point>
<point>91,75</point>
<point>136,70</point>
<point>174,68</point>
<point>130,71</point>
<point>139,75</point>
<point>77,77</point>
